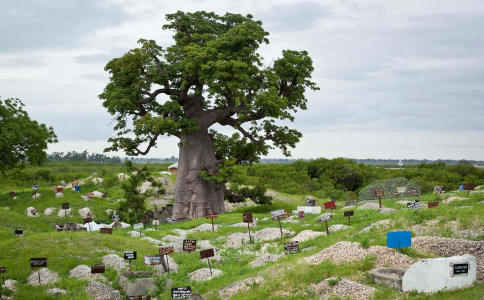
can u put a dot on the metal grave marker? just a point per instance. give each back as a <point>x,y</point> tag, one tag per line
<point>212,216</point>
<point>207,254</point>
<point>12,194</point>
<point>399,239</point>
<point>291,247</point>
<point>90,195</point>
<point>183,292</point>
<point>38,263</point>
<point>330,205</point>
<point>106,231</point>
<point>130,255</point>
<point>460,269</point>
<point>189,245</point>
<point>116,218</point>
<point>165,251</point>
<point>247,218</point>
<point>19,232</point>
<point>301,215</point>
<point>310,202</point>
<point>2,270</point>
<point>152,260</point>
<point>433,204</point>
<point>98,269</point>
<point>325,220</point>
<point>77,188</point>
<point>349,214</point>
<point>466,187</point>
<point>413,205</point>
<point>378,193</point>
<point>59,190</point>
<point>278,215</point>
<point>35,187</point>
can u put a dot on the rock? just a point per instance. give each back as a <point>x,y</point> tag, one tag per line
<point>85,212</point>
<point>240,286</point>
<point>32,212</point>
<point>264,259</point>
<point>382,223</point>
<point>370,206</point>
<point>97,180</point>
<point>84,272</point>
<point>46,277</point>
<point>64,212</point>
<point>204,274</point>
<point>306,235</point>
<point>56,292</point>
<point>59,195</point>
<point>10,285</point>
<point>114,261</point>
<point>36,196</point>
<point>141,286</point>
<point>102,291</point>
<point>49,211</point>
<point>343,289</point>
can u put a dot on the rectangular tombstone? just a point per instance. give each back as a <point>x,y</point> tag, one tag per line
<point>310,210</point>
<point>152,260</point>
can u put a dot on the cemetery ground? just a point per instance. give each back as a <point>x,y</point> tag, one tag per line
<point>274,276</point>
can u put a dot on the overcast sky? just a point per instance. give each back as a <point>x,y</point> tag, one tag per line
<point>398,79</point>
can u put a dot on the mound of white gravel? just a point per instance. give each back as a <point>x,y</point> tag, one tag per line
<point>343,289</point>
<point>452,199</point>
<point>10,284</point>
<point>114,261</point>
<point>134,233</point>
<point>173,238</point>
<point>101,291</point>
<point>239,286</point>
<point>204,274</point>
<point>84,272</point>
<point>36,196</point>
<point>386,256</point>
<point>97,180</point>
<point>370,206</point>
<point>152,241</point>
<point>382,223</point>
<point>30,213</point>
<point>64,212</point>
<point>337,227</point>
<point>270,233</point>
<point>447,247</point>
<point>85,212</point>
<point>264,259</point>
<point>203,227</point>
<point>59,195</point>
<point>306,235</point>
<point>338,253</point>
<point>242,224</point>
<point>97,194</point>
<point>387,210</point>
<point>122,176</point>
<point>237,240</point>
<point>49,211</point>
<point>46,277</point>
<point>85,198</point>
<point>461,207</point>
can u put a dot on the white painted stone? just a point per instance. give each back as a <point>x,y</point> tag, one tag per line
<point>432,275</point>
<point>310,209</point>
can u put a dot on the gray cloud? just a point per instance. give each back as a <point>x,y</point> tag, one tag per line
<point>102,58</point>
<point>34,25</point>
<point>293,17</point>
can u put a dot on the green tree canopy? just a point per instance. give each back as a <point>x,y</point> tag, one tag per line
<point>22,140</point>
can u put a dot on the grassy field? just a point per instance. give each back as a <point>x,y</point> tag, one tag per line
<point>284,279</point>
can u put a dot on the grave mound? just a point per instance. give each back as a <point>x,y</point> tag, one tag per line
<point>337,227</point>
<point>370,206</point>
<point>264,259</point>
<point>204,274</point>
<point>56,292</point>
<point>48,211</point>
<point>270,233</point>
<point>240,286</point>
<point>101,291</point>
<point>452,199</point>
<point>84,272</point>
<point>46,277</point>
<point>114,261</point>
<point>306,235</point>
<point>342,288</point>
<point>382,223</point>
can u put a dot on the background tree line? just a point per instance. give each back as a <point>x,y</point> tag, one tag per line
<point>343,178</point>
<point>83,156</point>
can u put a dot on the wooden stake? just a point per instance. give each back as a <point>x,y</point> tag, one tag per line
<point>379,200</point>
<point>327,230</point>
<point>248,227</point>
<point>167,265</point>
<point>280,226</point>
<point>349,221</point>
<point>39,274</point>
<point>213,228</point>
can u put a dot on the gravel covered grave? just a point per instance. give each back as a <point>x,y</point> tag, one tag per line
<point>306,235</point>
<point>337,227</point>
<point>239,239</point>
<point>386,210</point>
<point>101,291</point>
<point>134,233</point>
<point>49,211</point>
<point>452,199</point>
<point>239,286</point>
<point>64,212</point>
<point>46,277</point>
<point>85,212</point>
<point>382,223</point>
<point>204,274</point>
<point>264,259</point>
<point>151,240</point>
<point>347,251</point>
<point>370,206</point>
<point>447,247</point>
<point>115,261</point>
<point>343,289</point>
<point>84,272</point>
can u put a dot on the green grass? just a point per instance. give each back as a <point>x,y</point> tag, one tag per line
<point>284,279</point>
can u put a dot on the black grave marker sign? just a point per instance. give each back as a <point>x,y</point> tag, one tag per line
<point>414,205</point>
<point>183,292</point>
<point>98,269</point>
<point>189,245</point>
<point>291,247</point>
<point>310,203</point>
<point>460,269</point>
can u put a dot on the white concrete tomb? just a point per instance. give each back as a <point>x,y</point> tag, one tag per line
<point>310,209</point>
<point>432,275</point>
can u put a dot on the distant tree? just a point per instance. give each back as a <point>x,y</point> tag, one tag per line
<point>22,140</point>
<point>212,75</point>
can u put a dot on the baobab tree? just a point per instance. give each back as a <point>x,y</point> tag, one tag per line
<point>211,75</point>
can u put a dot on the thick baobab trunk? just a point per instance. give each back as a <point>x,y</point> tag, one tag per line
<point>194,196</point>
